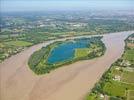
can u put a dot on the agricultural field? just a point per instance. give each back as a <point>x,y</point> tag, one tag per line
<point>118,82</point>
<point>12,44</point>
<point>18,43</point>
<point>82,52</point>
<point>127,77</point>
<point>65,52</point>
<point>129,55</point>
<point>118,89</point>
<point>8,48</point>
<point>36,29</point>
<point>130,95</point>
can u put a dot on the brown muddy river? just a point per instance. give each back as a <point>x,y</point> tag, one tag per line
<point>70,82</point>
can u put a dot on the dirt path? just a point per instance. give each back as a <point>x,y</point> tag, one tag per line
<point>71,82</point>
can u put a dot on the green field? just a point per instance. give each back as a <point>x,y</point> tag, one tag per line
<point>92,96</point>
<point>82,52</point>
<point>117,88</point>
<point>130,95</point>
<point>114,89</point>
<point>115,71</point>
<point>18,43</point>
<point>127,77</point>
<point>129,55</point>
<point>1,45</point>
<point>114,98</point>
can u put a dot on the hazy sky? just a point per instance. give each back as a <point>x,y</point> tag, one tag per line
<point>43,5</point>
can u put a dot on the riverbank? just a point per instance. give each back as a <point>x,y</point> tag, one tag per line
<point>117,83</point>
<point>71,82</point>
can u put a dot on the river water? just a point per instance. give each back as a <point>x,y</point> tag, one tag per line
<point>70,82</point>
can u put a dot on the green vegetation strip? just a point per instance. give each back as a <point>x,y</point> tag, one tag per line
<point>118,82</point>
<point>129,55</point>
<point>18,43</point>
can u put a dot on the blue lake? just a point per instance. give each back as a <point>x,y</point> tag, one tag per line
<point>65,51</point>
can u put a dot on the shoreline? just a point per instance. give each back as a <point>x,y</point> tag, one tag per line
<point>71,82</point>
<point>68,37</point>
